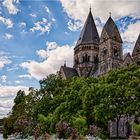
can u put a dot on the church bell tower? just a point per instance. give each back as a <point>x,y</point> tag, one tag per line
<point>87,48</point>
<point>110,48</point>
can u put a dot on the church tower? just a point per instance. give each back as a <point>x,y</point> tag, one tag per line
<point>110,48</point>
<point>136,52</point>
<point>87,49</point>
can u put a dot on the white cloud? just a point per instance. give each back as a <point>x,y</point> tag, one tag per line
<point>22,24</point>
<point>47,10</point>
<point>51,45</point>
<point>18,82</point>
<point>8,36</point>
<point>53,19</point>
<point>56,58</point>
<point>74,25</point>
<point>45,53</point>
<point>11,91</point>
<point>25,76</point>
<point>9,4</point>
<point>3,78</point>
<point>128,47</point>
<point>78,9</point>
<point>7,95</point>
<point>33,15</point>
<point>3,61</point>
<point>6,103</point>
<point>43,26</point>
<point>6,21</point>
<point>42,54</point>
<point>130,37</point>
<point>132,32</point>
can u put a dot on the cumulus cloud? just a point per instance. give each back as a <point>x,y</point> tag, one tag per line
<point>132,32</point>
<point>25,76</point>
<point>43,26</point>
<point>42,54</point>
<point>3,61</point>
<point>47,10</point>
<point>45,53</point>
<point>78,10</point>
<point>10,91</point>
<point>9,4</point>
<point>6,21</point>
<point>18,82</point>
<point>22,24</point>
<point>7,94</point>
<point>8,36</point>
<point>3,78</point>
<point>130,36</point>
<point>128,47</point>
<point>74,25</point>
<point>51,45</point>
<point>56,58</point>
<point>33,15</point>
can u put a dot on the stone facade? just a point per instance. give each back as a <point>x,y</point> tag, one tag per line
<point>94,56</point>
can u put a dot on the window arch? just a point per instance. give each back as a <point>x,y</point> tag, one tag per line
<point>86,58</point>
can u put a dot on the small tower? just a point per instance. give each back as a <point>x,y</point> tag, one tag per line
<point>110,48</point>
<point>136,52</point>
<point>86,49</point>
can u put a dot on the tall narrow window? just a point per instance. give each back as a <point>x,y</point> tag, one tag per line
<point>88,59</point>
<point>116,52</point>
<point>83,58</point>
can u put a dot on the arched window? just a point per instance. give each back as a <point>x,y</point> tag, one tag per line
<point>83,58</point>
<point>116,52</point>
<point>86,57</point>
<point>104,51</point>
<point>115,37</point>
<point>96,59</point>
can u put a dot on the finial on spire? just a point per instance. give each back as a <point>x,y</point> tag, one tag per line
<point>109,14</point>
<point>65,63</point>
<point>90,7</point>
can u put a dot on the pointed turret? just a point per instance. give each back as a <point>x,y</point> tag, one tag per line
<point>87,48</point>
<point>136,51</point>
<point>137,47</point>
<point>110,31</point>
<point>89,33</point>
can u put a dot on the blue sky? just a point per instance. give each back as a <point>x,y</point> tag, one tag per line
<point>37,36</point>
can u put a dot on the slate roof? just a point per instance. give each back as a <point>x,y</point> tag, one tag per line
<point>111,28</point>
<point>136,46</point>
<point>89,33</point>
<point>125,55</point>
<point>69,72</point>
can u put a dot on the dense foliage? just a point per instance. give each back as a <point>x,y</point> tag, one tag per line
<point>76,106</point>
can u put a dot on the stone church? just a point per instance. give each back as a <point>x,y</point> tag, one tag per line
<point>95,56</point>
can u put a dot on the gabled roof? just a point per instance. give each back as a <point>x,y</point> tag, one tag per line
<point>111,30</point>
<point>69,72</point>
<point>127,55</point>
<point>89,33</point>
<point>136,49</point>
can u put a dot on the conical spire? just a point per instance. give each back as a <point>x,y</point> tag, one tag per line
<point>111,30</point>
<point>137,47</point>
<point>89,33</point>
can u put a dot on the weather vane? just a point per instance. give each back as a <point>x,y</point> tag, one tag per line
<point>90,6</point>
<point>65,63</point>
<point>109,14</point>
